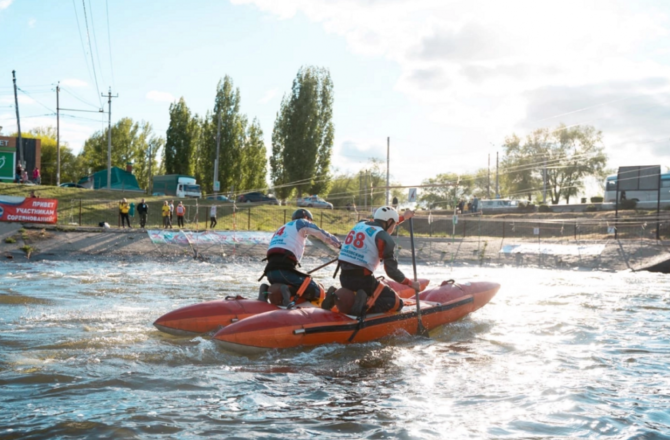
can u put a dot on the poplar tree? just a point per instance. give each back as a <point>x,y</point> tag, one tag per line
<point>180,144</point>
<point>303,134</point>
<point>232,138</point>
<point>255,161</point>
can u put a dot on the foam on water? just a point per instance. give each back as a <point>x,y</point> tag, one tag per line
<point>555,354</point>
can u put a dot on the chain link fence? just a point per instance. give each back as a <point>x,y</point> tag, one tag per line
<point>251,217</point>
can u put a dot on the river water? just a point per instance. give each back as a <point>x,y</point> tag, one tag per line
<point>556,354</point>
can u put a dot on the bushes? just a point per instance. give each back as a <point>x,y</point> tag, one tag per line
<point>545,208</point>
<point>525,207</point>
<point>628,204</point>
<point>597,199</point>
<point>591,208</point>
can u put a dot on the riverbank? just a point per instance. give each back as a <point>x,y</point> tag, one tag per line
<point>29,242</point>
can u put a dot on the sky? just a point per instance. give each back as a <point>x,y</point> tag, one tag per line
<point>446,81</point>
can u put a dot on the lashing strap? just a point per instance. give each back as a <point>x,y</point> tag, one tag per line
<point>372,298</point>
<point>303,287</point>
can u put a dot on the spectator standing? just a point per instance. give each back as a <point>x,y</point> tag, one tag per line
<point>24,177</point>
<point>395,203</point>
<point>165,212</point>
<point>171,205</point>
<point>19,173</point>
<point>143,211</point>
<point>475,204</point>
<point>181,210</point>
<point>124,209</point>
<point>212,217</point>
<point>37,178</point>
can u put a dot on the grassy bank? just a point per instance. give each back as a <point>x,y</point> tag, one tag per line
<point>88,208</point>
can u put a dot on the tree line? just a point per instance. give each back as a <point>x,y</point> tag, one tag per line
<point>558,159</point>
<point>302,142</point>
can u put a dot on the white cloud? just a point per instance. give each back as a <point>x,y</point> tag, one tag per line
<point>496,66</point>
<point>268,96</point>
<point>4,4</point>
<point>157,96</point>
<point>31,23</point>
<point>74,83</point>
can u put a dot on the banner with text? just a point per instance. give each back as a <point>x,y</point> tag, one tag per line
<point>31,210</point>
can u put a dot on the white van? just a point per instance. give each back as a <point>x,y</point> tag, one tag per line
<point>498,205</point>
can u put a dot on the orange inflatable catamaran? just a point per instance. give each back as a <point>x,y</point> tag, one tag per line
<point>213,315</point>
<point>309,326</point>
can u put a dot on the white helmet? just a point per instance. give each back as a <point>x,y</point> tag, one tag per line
<point>387,213</point>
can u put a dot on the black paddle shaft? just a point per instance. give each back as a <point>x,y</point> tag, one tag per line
<point>322,266</point>
<point>421,329</point>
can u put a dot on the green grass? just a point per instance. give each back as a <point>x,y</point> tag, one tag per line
<point>10,240</point>
<point>87,207</point>
<point>77,206</point>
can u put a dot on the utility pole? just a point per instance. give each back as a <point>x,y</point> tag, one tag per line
<point>388,157</point>
<point>488,180</point>
<point>150,183</point>
<point>58,134</point>
<point>18,121</point>
<point>218,143</point>
<point>109,138</point>
<point>497,187</point>
<point>544,183</point>
<point>365,190</point>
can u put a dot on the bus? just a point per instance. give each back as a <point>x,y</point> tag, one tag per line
<point>640,196</point>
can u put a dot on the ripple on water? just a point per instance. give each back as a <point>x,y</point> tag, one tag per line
<point>555,354</point>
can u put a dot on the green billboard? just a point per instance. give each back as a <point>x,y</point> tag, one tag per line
<point>7,162</point>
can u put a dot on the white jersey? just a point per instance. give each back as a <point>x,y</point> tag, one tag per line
<point>212,211</point>
<point>360,248</point>
<point>293,235</point>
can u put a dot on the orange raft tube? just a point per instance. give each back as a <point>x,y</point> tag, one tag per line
<point>209,316</point>
<point>313,326</point>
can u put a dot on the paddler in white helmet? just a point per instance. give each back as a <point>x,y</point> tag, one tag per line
<point>368,243</point>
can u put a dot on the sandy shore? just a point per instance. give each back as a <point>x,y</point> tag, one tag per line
<point>80,243</point>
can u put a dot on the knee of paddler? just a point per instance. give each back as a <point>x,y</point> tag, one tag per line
<point>275,295</point>
<point>312,293</point>
<point>350,302</point>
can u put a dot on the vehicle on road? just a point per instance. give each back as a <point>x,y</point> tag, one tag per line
<point>640,195</point>
<point>498,206</point>
<point>258,198</point>
<point>177,185</point>
<point>314,202</point>
<point>219,198</point>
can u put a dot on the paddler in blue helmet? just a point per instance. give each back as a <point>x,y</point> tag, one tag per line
<point>368,243</point>
<point>284,254</point>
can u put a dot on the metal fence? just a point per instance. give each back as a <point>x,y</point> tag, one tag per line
<point>87,212</point>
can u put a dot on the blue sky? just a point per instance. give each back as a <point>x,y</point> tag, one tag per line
<point>446,80</point>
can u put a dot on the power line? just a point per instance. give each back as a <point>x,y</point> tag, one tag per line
<point>109,40</point>
<point>95,39</point>
<point>82,118</point>
<point>78,98</point>
<point>25,117</point>
<point>81,40</point>
<point>37,101</point>
<point>95,75</point>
